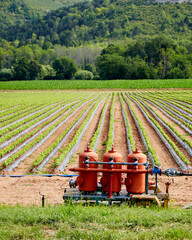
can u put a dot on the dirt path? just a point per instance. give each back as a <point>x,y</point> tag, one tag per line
<point>101,147</point>
<point>120,141</point>
<point>135,132</point>
<point>25,191</point>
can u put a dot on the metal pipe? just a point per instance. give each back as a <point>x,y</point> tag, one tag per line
<point>146,180</point>
<point>111,186</point>
<point>117,163</point>
<point>155,183</point>
<point>110,170</point>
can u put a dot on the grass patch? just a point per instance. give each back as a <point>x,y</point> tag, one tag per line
<point>94,222</point>
<point>48,5</point>
<point>90,84</point>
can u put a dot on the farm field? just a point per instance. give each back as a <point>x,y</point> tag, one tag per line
<point>45,131</point>
<point>46,6</point>
<point>98,84</point>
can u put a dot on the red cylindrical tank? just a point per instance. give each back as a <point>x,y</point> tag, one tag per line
<point>135,183</point>
<point>87,181</point>
<point>115,177</point>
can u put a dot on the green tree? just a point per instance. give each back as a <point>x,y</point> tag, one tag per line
<point>111,66</point>
<point>34,70</point>
<point>181,68</point>
<point>137,69</point>
<point>2,59</point>
<point>21,69</point>
<point>65,68</point>
<point>26,69</point>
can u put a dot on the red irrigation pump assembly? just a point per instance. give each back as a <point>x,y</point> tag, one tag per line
<point>109,187</point>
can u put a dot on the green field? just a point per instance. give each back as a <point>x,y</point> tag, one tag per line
<point>48,5</point>
<point>101,222</point>
<point>91,84</point>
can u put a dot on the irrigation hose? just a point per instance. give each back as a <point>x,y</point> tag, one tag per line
<point>37,175</point>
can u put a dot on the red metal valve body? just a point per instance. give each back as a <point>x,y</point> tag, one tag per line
<point>111,181</point>
<point>87,181</point>
<point>135,183</point>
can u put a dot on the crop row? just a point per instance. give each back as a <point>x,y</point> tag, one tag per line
<point>23,141</point>
<point>97,134</point>
<point>130,140</point>
<point>45,134</point>
<point>38,123</point>
<point>186,143</point>
<point>70,149</point>
<point>49,152</point>
<point>19,135</point>
<point>171,146</point>
<point>110,138</point>
<point>48,116</point>
<point>177,118</point>
<point>143,134</point>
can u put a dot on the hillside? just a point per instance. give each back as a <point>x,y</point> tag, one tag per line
<point>14,12</point>
<point>21,11</point>
<point>103,20</point>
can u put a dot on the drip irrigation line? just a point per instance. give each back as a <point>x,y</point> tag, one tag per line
<point>150,156</point>
<point>33,137</point>
<point>178,108</point>
<point>6,109</point>
<point>72,151</point>
<point>23,118</point>
<point>19,160</point>
<point>56,149</point>
<point>173,112</point>
<point>41,175</point>
<point>110,137</point>
<point>99,135</point>
<point>183,144</point>
<point>169,116</point>
<point>6,143</point>
<point>189,105</point>
<point>167,144</point>
<point>126,126</point>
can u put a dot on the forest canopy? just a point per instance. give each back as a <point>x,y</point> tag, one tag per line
<point>104,20</point>
<point>111,39</point>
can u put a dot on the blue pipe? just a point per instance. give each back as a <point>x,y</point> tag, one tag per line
<point>45,175</point>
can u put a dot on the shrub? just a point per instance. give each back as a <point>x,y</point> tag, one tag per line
<point>47,72</point>
<point>84,75</point>
<point>6,74</point>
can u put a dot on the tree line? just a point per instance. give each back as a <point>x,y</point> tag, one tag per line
<point>157,57</point>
